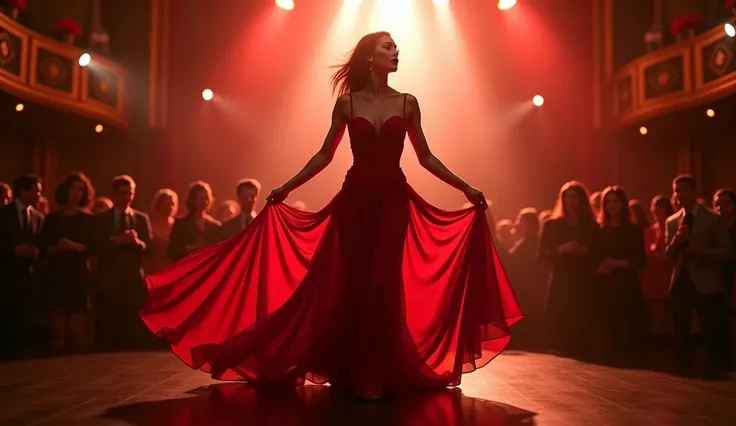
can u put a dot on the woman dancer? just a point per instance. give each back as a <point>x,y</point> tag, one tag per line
<point>378,291</point>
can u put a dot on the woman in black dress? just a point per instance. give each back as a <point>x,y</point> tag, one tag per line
<point>569,242</point>
<point>66,237</point>
<point>622,257</point>
<point>197,229</point>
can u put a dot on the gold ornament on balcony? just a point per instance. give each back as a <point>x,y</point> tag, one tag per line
<point>720,59</point>
<point>53,71</point>
<point>6,48</point>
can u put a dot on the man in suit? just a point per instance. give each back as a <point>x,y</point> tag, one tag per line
<point>20,226</point>
<point>247,191</point>
<point>124,238</point>
<point>698,244</point>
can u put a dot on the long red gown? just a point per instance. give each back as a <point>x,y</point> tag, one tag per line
<point>379,288</point>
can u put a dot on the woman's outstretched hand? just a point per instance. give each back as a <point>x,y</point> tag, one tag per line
<point>277,195</point>
<point>476,197</point>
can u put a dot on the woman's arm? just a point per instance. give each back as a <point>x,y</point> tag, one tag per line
<point>323,157</point>
<point>421,147</point>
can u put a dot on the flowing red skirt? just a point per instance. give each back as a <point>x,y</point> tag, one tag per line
<point>374,289</point>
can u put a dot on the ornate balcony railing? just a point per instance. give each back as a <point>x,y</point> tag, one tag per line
<point>688,74</point>
<point>45,71</point>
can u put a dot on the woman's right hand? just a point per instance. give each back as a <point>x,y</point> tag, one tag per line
<point>277,195</point>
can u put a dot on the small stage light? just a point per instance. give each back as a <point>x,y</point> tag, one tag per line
<point>506,4</point>
<point>730,30</point>
<point>440,2</point>
<point>643,130</point>
<point>99,128</point>
<point>710,113</point>
<point>84,59</point>
<point>207,94</point>
<point>285,4</point>
<point>538,100</point>
<point>20,107</point>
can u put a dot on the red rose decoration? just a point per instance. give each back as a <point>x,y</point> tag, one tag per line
<point>17,4</point>
<point>66,25</point>
<point>685,22</point>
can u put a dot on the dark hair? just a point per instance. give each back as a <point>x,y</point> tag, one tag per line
<point>603,217</point>
<point>61,195</point>
<point>194,188</point>
<point>122,180</point>
<point>248,183</point>
<point>664,203</point>
<point>685,179</point>
<point>728,192</point>
<point>355,74</point>
<point>25,182</point>
<point>586,210</point>
<point>530,217</point>
<point>639,214</point>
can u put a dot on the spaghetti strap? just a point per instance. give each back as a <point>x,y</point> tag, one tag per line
<point>404,105</point>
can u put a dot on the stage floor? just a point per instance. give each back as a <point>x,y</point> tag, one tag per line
<point>155,388</point>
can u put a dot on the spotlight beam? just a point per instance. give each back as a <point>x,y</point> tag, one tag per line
<point>506,4</point>
<point>285,4</point>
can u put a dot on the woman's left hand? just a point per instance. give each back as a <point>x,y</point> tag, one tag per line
<point>475,196</point>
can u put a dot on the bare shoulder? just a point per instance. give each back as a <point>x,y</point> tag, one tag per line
<point>343,102</point>
<point>412,105</point>
<point>343,99</point>
<point>342,106</point>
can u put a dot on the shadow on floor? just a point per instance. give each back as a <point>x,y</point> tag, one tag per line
<point>241,404</point>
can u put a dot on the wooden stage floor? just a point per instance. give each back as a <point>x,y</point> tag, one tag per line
<point>155,388</point>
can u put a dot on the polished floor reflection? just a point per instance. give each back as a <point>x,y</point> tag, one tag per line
<point>155,388</point>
